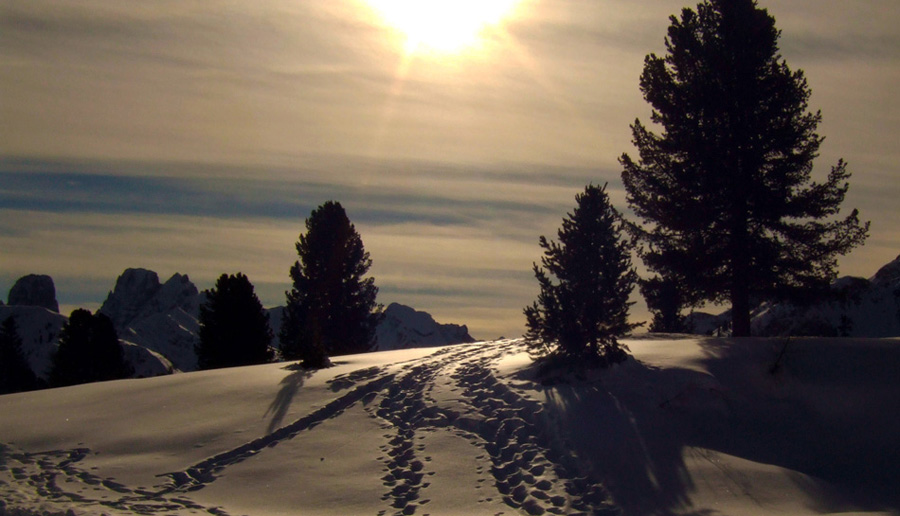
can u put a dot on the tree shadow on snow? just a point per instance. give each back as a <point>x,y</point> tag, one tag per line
<point>618,427</point>
<point>642,470</point>
<point>824,408</point>
<point>290,384</point>
<point>633,426</point>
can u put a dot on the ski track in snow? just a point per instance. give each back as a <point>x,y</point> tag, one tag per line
<point>453,390</point>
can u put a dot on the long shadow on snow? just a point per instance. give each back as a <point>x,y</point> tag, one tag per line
<point>828,409</point>
<point>290,384</point>
<point>205,472</point>
<point>624,438</point>
<point>828,412</point>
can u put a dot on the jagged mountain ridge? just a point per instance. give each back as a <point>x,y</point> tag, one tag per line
<point>161,317</point>
<point>859,308</point>
<point>404,327</point>
<point>158,324</point>
<point>34,290</point>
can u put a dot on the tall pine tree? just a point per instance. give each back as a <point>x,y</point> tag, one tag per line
<point>15,373</point>
<point>89,351</point>
<point>331,309</point>
<point>725,191</point>
<point>234,328</point>
<point>585,282</point>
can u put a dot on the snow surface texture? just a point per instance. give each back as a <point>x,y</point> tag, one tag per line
<point>693,426</point>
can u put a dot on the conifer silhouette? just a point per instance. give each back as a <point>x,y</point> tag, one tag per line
<point>725,192</point>
<point>234,327</point>
<point>331,309</point>
<point>585,281</point>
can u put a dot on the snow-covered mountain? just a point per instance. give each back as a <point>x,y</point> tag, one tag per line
<point>161,317</point>
<point>404,327</point>
<point>859,308</point>
<point>856,307</point>
<point>157,323</point>
<point>136,307</point>
<point>688,426</point>
<point>39,330</point>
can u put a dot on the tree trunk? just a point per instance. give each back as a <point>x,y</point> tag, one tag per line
<point>740,261</point>
<point>740,309</point>
<point>740,294</point>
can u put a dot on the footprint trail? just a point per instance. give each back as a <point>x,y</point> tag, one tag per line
<point>455,390</point>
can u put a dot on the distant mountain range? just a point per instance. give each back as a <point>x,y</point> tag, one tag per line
<point>157,323</point>
<point>854,307</point>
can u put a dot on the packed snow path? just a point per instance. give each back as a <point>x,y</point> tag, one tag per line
<point>521,465</point>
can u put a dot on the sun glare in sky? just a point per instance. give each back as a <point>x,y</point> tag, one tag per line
<point>444,26</point>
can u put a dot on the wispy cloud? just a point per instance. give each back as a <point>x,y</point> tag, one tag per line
<point>441,237</point>
<point>196,136</point>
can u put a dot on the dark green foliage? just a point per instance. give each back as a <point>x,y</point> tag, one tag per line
<point>725,191</point>
<point>15,373</point>
<point>234,328</point>
<point>666,299</point>
<point>585,282</point>
<point>89,351</point>
<point>331,309</point>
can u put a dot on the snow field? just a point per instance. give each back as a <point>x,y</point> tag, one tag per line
<point>690,426</point>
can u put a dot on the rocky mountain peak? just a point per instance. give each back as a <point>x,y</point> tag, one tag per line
<point>134,289</point>
<point>161,317</point>
<point>34,290</point>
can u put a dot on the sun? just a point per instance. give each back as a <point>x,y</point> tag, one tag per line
<point>443,26</point>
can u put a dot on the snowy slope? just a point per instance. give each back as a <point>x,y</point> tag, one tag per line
<point>695,426</point>
<point>38,329</point>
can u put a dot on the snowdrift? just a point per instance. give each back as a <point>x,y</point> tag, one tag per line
<point>689,426</point>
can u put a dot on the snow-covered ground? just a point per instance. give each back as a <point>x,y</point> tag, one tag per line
<point>697,426</point>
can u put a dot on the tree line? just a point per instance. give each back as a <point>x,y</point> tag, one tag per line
<point>724,210</point>
<point>330,309</point>
<point>88,351</point>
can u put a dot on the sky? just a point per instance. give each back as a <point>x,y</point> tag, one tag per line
<point>197,136</point>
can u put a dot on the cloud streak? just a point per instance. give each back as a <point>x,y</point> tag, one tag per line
<point>196,136</point>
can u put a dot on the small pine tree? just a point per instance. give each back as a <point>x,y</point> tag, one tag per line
<point>234,328</point>
<point>89,351</point>
<point>331,309</point>
<point>580,315</point>
<point>15,373</point>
